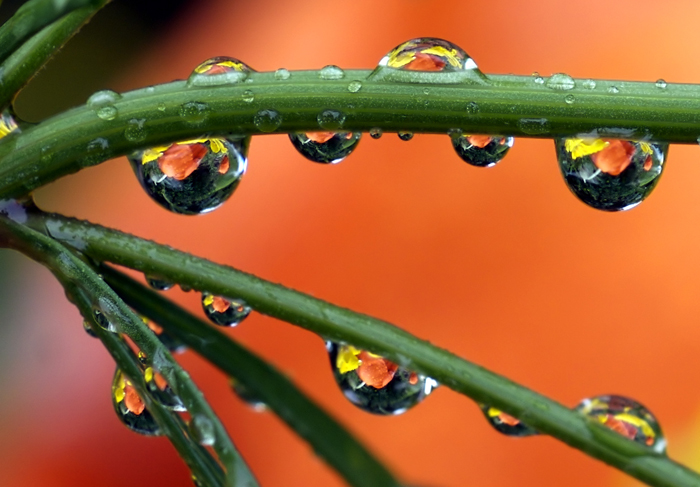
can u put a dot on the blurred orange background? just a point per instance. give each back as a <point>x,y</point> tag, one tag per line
<point>503,266</point>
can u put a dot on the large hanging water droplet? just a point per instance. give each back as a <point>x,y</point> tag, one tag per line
<point>130,408</point>
<point>170,342</point>
<point>481,150</point>
<point>7,123</point>
<point>626,417</point>
<point>374,383</point>
<point>193,176</point>
<point>506,424</point>
<point>160,390</point>
<point>220,70</point>
<point>158,283</point>
<point>560,81</point>
<point>325,147</point>
<point>245,395</point>
<point>428,54</point>
<point>224,311</point>
<point>610,174</point>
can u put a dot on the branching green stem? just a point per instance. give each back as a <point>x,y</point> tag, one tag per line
<point>401,100</point>
<point>537,411</point>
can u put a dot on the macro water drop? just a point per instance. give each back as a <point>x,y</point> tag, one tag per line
<point>331,72</point>
<point>220,70</point>
<point>193,176</point>
<point>375,384</point>
<point>561,82</point>
<point>375,132</point>
<point>405,136</point>
<point>224,311</point>
<point>354,86</point>
<point>661,84</point>
<point>282,74</point>
<point>610,174</point>
<point>505,423</point>
<point>161,391</point>
<point>626,417</point>
<point>130,407</point>
<point>325,147</point>
<point>330,119</point>
<point>481,150</point>
<point>428,54</point>
<point>267,120</point>
<point>158,283</point>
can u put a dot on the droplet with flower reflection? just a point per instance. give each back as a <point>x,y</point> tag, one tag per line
<point>428,54</point>
<point>325,147</point>
<point>224,311</point>
<point>505,423</point>
<point>481,150</point>
<point>130,407</point>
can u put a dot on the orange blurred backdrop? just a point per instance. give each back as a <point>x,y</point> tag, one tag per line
<point>503,266</point>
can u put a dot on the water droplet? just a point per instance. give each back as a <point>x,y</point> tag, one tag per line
<point>405,135</point>
<point>171,343</point>
<point>354,86</point>
<point>375,132</point>
<point>537,78</point>
<point>472,108</point>
<point>202,430</point>
<point>610,174</point>
<point>130,408</point>
<point>194,112</point>
<point>103,98</point>
<point>661,84</point>
<point>135,131</point>
<point>160,390</point>
<point>331,72</point>
<point>331,119</point>
<point>248,96</point>
<point>267,120</point>
<point>428,54</point>
<point>193,176</point>
<point>560,81</point>
<point>107,113</point>
<point>374,383</point>
<point>325,147</point>
<point>158,283</point>
<point>102,321</point>
<point>506,424</point>
<point>245,395</point>
<point>217,71</point>
<point>224,311</point>
<point>589,84</point>
<point>569,99</point>
<point>613,90</point>
<point>626,417</point>
<point>481,150</point>
<point>8,124</point>
<point>282,74</point>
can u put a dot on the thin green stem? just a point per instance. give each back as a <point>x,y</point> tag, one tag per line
<point>80,276</point>
<point>25,62</point>
<point>30,18</point>
<point>333,322</point>
<point>399,100</point>
<point>328,439</point>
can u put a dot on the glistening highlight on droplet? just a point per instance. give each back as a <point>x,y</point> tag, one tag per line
<point>610,174</point>
<point>158,283</point>
<point>325,147</point>
<point>219,70</point>
<point>161,391</point>
<point>428,54</point>
<point>626,417</point>
<point>224,311</point>
<point>192,176</point>
<point>505,423</point>
<point>481,150</point>
<point>130,408</point>
<point>375,384</point>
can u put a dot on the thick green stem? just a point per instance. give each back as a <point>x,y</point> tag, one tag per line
<point>539,412</point>
<point>398,100</point>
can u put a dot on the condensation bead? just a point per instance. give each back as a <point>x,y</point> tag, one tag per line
<point>504,423</point>
<point>160,390</point>
<point>219,71</point>
<point>626,417</point>
<point>610,174</point>
<point>193,176</point>
<point>325,147</point>
<point>224,311</point>
<point>481,150</point>
<point>158,283</point>
<point>130,408</point>
<point>374,383</point>
<point>428,54</point>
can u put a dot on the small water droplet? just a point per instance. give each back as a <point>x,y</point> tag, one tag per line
<point>160,390</point>
<point>224,311</point>
<point>537,78</point>
<point>534,126</point>
<point>661,84</point>
<point>267,120</point>
<point>375,132</point>
<point>202,430</point>
<point>506,424</point>
<point>102,321</point>
<point>405,136</point>
<point>158,283</point>
<point>428,54</point>
<point>374,383</point>
<point>248,96</point>
<point>130,408</point>
<point>325,147</point>
<point>613,90</point>
<point>472,108</point>
<point>610,174</point>
<point>569,99</point>
<point>282,74</point>
<point>560,81</point>
<point>107,113</point>
<point>103,98</point>
<point>193,176</point>
<point>626,417</point>
<point>218,71</point>
<point>135,131</point>
<point>589,84</point>
<point>354,86</point>
<point>245,395</point>
<point>194,112</point>
<point>331,72</point>
<point>481,150</point>
<point>331,119</point>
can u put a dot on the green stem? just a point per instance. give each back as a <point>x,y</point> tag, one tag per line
<point>399,100</point>
<point>328,439</point>
<point>80,276</point>
<point>333,322</point>
<point>25,62</point>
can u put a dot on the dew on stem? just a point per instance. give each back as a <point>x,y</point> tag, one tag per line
<point>505,423</point>
<point>428,54</point>
<point>219,70</point>
<point>481,150</point>
<point>130,408</point>
<point>224,311</point>
<point>325,147</point>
